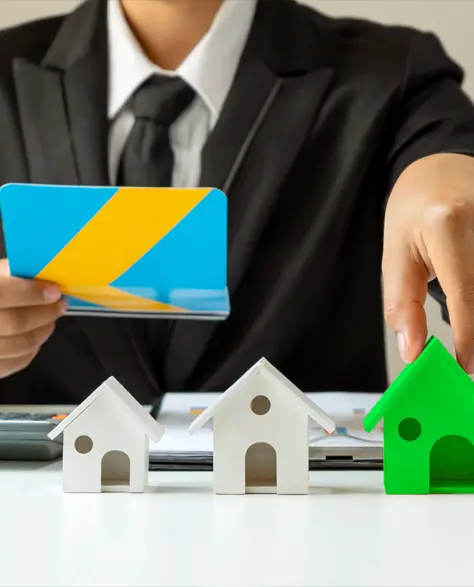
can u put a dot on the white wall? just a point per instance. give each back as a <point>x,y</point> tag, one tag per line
<point>15,11</point>
<point>451,20</point>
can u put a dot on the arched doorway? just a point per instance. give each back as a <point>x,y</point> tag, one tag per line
<point>261,468</point>
<point>452,465</point>
<point>115,468</point>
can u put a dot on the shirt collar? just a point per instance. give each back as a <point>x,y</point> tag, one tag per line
<point>209,69</point>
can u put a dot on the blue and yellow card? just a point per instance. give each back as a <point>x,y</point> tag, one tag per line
<point>158,252</point>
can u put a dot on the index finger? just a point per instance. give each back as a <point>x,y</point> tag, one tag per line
<point>452,256</point>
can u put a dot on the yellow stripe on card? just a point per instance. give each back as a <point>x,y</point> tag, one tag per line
<point>116,299</point>
<point>121,233</point>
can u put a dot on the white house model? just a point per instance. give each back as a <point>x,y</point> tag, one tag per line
<point>260,428</point>
<point>106,442</point>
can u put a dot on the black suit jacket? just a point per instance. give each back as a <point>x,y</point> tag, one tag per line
<point>323,116</point>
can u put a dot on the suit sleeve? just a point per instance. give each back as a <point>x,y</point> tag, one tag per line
<point>434,115</point>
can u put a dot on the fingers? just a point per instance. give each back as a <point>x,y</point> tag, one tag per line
<point>405,287</point>
<point>4,268</point>
<point>29,310</point>
<point>25,345</point>
<point>22,333</point>
<point>451,249</point>
<point>17,293</point>
<point>10,366</point>
<point>24,320</point>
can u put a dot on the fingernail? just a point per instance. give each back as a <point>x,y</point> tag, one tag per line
<point>63,305</point>
<point>51,293</point>
<point>402,345</point>
<point>470,368</point>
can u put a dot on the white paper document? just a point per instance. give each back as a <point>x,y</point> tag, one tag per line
<point>348,410</point>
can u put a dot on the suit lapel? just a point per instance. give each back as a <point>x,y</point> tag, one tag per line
<point>63,115</point>
<point>44,124</point>
<point>85,94</point>
<point>267,116</point>
<point>62,102</point>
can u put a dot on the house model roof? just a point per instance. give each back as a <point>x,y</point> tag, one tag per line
<point>266,369</point>
<point>434,356</point>
<point>130,405</point>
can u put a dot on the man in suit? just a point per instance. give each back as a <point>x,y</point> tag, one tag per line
<point>321,132</point>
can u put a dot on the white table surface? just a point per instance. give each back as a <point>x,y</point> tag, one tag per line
<point>345,532</point>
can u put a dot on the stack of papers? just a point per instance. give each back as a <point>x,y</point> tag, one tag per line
<point>349,447</point>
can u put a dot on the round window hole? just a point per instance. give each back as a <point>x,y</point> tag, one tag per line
<point>83,444</point>
<point>260,405</point>
<point>409,429</point>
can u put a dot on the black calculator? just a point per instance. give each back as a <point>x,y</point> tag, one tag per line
<point>24,436</point>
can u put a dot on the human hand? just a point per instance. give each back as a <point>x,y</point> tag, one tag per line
<point>429,233</point>
<point>28,313</point>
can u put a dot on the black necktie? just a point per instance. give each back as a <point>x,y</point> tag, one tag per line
<point>147,158</point>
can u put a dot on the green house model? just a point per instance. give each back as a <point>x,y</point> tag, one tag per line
<point>428,422</point>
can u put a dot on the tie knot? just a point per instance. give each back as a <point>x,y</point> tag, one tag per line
<point>162,99</point>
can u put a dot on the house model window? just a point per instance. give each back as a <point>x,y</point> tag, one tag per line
<point>83,444</point>
<point>260,405</point>
<point>409,429</point>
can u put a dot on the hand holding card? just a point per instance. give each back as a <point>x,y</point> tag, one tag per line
<point>28,313</point>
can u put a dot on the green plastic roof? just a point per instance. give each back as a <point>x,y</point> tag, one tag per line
<point>434,353</point>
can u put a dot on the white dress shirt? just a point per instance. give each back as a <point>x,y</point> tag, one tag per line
<point>209,70</point>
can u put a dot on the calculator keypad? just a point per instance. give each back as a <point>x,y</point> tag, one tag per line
<point>25,416</point>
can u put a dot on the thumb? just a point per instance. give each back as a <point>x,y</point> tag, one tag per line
<point>4,268</point>
<point>405,287</point>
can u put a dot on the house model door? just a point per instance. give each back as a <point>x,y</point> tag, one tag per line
<point>261,468</point>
